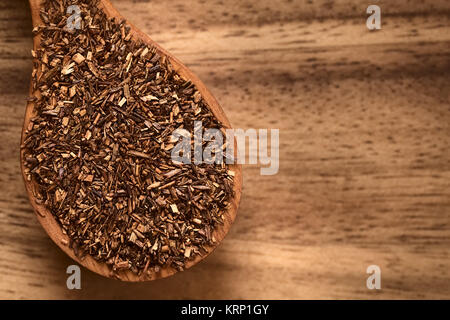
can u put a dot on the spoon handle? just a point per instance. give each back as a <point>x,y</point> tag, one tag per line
<point>35,6</point>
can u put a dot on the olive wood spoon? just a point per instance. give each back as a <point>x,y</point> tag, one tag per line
<point>46,218</point>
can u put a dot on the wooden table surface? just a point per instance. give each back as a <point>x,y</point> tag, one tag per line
<point>364,150</point>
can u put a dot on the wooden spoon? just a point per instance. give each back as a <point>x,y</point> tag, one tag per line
<point>46,218</point>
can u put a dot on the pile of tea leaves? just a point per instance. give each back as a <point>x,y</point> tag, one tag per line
<point>98,147</point>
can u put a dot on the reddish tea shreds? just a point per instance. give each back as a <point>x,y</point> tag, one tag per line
<point>99,146</point>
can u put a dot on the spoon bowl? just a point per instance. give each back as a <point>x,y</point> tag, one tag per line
<point>46,218</point>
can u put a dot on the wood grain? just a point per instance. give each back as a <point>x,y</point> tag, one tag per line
<point>364,150</point>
